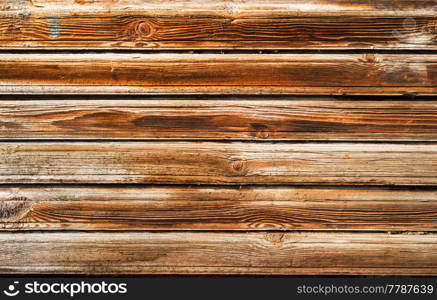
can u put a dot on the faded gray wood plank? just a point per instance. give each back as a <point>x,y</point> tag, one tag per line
<point>219,163</point>
<point>218,253</point>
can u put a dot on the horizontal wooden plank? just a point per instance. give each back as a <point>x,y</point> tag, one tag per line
<point>236,119</point>
<point>218,253</point>
<point>170,73</point>
<point>218,24</point>
<point>185,208</point>
<point>245,8</point>
<point>218,163</point>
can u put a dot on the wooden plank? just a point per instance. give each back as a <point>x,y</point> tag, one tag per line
<point>218,24</point>
<point>219,163</point>
<point>170,73</point>
<point>185,208</point>
<point>235,119</point>
<point>218,73</point>
<point>218,253</point>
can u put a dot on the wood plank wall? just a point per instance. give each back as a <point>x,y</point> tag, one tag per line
<point>287,137</point>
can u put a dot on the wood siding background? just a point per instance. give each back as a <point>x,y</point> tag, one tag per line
<point>287,137</point>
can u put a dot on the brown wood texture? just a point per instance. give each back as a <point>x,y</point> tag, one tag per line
<point>273,167</point>
<point>219,163</point>
<point>221,24</point>
<point>171,73</point>
<point>266,118</point>
<point>218,253</point>
<point>203,208</point>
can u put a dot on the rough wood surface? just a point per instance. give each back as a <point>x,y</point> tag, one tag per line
<point>97,185</point>
<point>302,24</point>
<point>266,118</point>
<point>171,73</point>
<point>230,253</point>
<point>218,163</point>
<point>184,208</point>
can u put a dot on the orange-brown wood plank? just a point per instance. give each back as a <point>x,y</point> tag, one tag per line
<point>265,118</point>
<point>170,73</point>
<point>218,24</point>
<point>218,253</point>
<point>219,163</point>
<point>206,208</point>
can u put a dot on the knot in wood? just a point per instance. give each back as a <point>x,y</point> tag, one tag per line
<point>14,209</point>
<point>143,29</point>
<point>275,238</point>
<point>239,166</point>
<point>260,130</point>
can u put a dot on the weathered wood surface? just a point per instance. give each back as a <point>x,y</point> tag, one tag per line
<point>267,118</point>
<point>203,208</point>
<point>171,73</point>
<point>218,163</point>
<point>231,205</point>
<point>230,253</point>
<point>280,24</point>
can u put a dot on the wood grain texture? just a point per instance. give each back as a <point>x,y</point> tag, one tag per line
<point>75,198</point>
<point>185,208</point>
<point>266,118</point>
<point>218,163</point>
<point>222,24</point>
<point>163,73</point>
<point>218,253</point>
